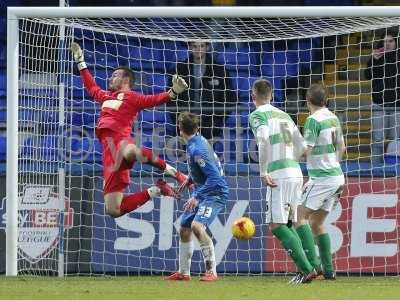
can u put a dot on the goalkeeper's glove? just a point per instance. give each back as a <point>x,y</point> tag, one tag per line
<point>179,85</point>
<point>78,56</point>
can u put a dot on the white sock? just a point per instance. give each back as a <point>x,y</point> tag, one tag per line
<point>207,248</point>
<point>170,170</point>
<point>185,257</point>
<point>154,191</point>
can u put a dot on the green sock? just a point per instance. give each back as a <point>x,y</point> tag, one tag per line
<point>307,240</point>
<point>324,245</point>
<point>292,229</point>
<point>293,245</point>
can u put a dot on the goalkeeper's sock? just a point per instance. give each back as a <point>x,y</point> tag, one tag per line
<point>207,249</point>
<point>324,245</point>
<point>307,240</point>
<point>135,200</point>
<point>185,257</point>
<point>153,160</point>
<point>293,246</point>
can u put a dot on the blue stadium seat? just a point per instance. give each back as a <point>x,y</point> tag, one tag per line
<point>45,148</point>
<point>279,93</point>
<point>242,84</point>
<point>146,57</point>
<point>76,88</point>
<point>3,28</point>
<point>173,51</point>
<point>3,148</point>
<point>242,120</point>
<point>3,56</point>
<point>27,115</point>
<point>82,146</point>
<point>3,102</point>
<point>292,63</point>
<point>274,64</point>
<point>102,54</point>
<point>24,115</point>
<point>240,135</point>
<point>149,119</point>
<point>154,82</point>
<point>3,83</point>
<point>86,149</point>
<point>84,119</point>
<point>240,59</point>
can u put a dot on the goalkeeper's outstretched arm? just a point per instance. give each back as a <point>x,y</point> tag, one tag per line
<point>179,85</point>
<point>144,101</point>
<point>88,81</point>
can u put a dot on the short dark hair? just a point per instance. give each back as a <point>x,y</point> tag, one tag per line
<point>188,123</point>
<point>127,73</point>
<point>390,32</point>
<point>317,95</point>
<point>262,88</point>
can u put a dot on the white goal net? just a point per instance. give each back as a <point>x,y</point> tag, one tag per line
<point>62,224</point>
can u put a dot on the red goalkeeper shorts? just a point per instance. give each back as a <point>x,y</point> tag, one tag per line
<point>115,167</point>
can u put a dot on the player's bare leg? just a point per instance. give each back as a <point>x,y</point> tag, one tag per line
<point>117,204</point>
<point>317,220</point>
<point>113,204</point>
<point>185,255</point>
<point>207,249</point>
<point>306,236</point>
<point>131,152</point>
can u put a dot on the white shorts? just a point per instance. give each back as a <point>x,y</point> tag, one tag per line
<point>282,201</point>
<point>317,196</point>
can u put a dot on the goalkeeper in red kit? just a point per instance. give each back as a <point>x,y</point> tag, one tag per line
<point>119,108</point>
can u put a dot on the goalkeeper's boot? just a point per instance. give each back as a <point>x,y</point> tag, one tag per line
<point>209,276</point>
<point>330,276</point>
<point>178,277</point>
<point>165,188</point>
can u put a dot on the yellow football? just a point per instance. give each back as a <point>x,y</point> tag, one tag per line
<point>243,228</point>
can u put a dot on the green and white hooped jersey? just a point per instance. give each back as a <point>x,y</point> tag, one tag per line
<point>323,132</point>
<point>283,140</point>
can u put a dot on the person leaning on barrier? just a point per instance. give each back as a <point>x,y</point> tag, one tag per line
<point>383,69</point>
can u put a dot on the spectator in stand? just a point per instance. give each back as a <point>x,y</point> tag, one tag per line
<point>383,69</point>
<point>209,95</point>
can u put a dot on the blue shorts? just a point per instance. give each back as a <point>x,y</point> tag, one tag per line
<point>205,212</point>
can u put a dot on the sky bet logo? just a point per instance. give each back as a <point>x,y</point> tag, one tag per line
<point>39,220</point>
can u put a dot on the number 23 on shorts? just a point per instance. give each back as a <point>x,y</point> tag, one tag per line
<point>205,211</point>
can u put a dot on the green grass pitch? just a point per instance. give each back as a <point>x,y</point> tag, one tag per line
<point>230,287</point>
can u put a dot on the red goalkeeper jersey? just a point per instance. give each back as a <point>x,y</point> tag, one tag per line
<point>119,109</point>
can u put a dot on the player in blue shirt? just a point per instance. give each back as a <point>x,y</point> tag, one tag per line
<point>209,196</point>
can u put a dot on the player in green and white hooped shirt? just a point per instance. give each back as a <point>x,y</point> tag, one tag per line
<point>279,145</point>
<point>325,147</point>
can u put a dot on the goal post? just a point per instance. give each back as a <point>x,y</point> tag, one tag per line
<point>12,144</point>
<point>56,161</point>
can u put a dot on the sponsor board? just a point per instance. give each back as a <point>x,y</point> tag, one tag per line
<point>39,221</point>
<point>147,239</point>
<point>364,230</point>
